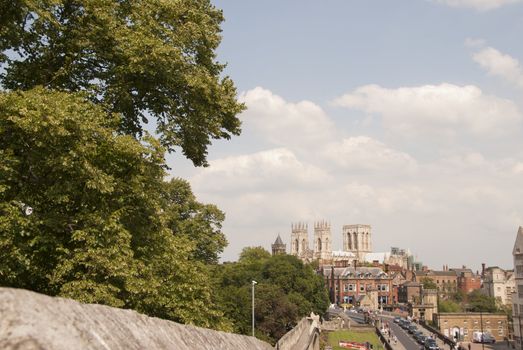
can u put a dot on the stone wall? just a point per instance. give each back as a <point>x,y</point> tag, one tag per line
<point>32,321</point>
<point>305,336</point>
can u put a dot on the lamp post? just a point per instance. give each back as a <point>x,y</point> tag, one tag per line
<point>253,284</point>
<point>481,324</point>
<point>519,325</point>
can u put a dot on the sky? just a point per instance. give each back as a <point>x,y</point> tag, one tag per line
<point>406,115</point>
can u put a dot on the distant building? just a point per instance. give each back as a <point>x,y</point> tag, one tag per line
<point>401,258</point>
<point>446,281</point>
<point>410,292</point>
<point>279,248</point>
<point>467,281</point>
<point>461,326</point>
<point>517,297</point>
<point>499,284</point>
<point>348,284</point>
<point>300,242</point>
<point>357,239</point>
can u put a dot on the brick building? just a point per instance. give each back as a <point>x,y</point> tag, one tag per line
<point>348,284</point>
<point>446,281</point>
<point>460,326</point>
<point>409,292</point>
<point>467,281</point>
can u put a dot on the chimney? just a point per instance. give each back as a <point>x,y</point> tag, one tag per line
<point>482,270</point>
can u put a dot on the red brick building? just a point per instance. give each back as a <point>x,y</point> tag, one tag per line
<point>467,280</point>
<point>348,284</point>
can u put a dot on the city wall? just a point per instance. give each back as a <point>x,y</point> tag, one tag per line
<point>32,321</point>
<point>305,336</point>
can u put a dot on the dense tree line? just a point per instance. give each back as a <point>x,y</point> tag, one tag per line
<point>287,290</point>
<point>474,301</point>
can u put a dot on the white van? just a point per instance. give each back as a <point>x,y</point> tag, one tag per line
<point>483,337</point>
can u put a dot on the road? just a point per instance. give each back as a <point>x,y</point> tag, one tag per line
<point>403,336</point>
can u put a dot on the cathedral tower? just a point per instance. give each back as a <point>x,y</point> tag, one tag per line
<point>357,239</point>
<point>279,248</point>
<point>322,241</point>
<point>299,239</point>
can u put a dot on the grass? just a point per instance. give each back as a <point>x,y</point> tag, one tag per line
<point>362,337</point>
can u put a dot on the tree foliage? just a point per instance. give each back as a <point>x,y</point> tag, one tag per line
<point>106,228</point>
<point>478,301</point>
<point>144,58</point>
<point>286,291</point>
<point>449,306</point>
<point>428,283</point>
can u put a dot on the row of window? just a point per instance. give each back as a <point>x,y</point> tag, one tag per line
<point>476,322</point>
<point>363,287</point>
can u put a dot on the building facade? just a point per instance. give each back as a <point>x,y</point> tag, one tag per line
<point>467,280</point>
<point>446,281</point>
<point>357,239</point>
<point>322,242</point>
<point>300,242</point>
<point>347,285</point>
<point>279,248</point>
<point>517,297</point>
<point>461,326</point>
<point>499,284</point>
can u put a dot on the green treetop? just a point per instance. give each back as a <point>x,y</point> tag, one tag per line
<point>102,229</point>
<point>138,58</point>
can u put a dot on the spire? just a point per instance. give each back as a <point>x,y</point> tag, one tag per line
<point>278,240</point>
<point>518,244</point>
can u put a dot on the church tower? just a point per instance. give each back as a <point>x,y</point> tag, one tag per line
<point>357,239</point>
<point>299,239</point>
<point>278,248</point>
<point>322,241</point>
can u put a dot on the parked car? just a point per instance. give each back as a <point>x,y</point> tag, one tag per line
<point>430,344</point>
<point>416,335</point>
<point>397,319</point>
<point>404,324</point>
<point>422,339</point>
<point>412,328</point>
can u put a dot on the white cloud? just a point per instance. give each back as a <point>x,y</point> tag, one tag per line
<point>301,124</point>
<point>441,110</point>
<point>271,169</point>
<point>500,65</point>
<point>474,43</point>
<point>315,172</point>
<point>479,5</point>
<point>386,199</point>
<point>365,153</point>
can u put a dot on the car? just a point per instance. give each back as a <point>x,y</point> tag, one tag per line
<point>397,319</point>
<point>417,334</point>
<point>404,324</point>
<point>430,344</point>
<point>421,339</point>
<point>412,328</point>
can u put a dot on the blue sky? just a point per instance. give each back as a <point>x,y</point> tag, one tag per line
<point>405,115</point>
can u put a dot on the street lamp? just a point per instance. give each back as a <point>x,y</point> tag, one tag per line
<point>482,334</point>
<point>253,284</point>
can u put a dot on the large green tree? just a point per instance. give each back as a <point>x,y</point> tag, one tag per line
<point>143,59</point>
<point>287,290</point>
<point>102,229</point>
